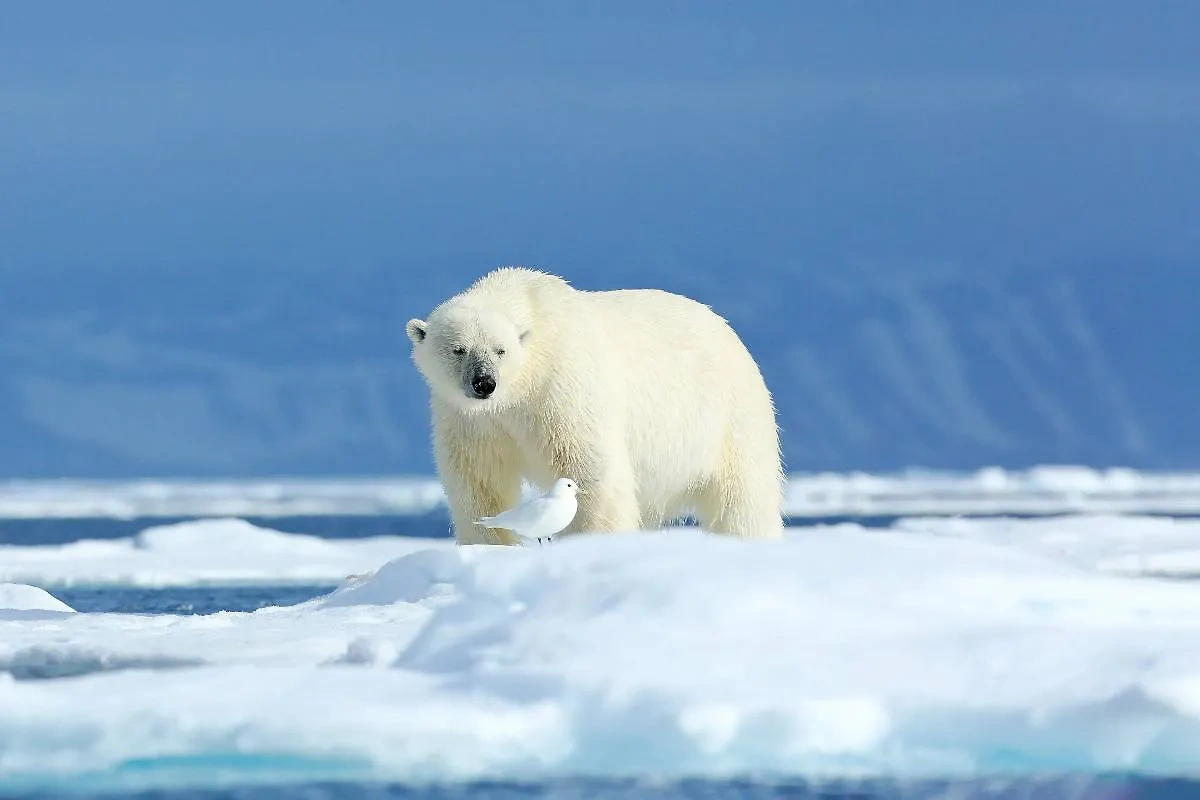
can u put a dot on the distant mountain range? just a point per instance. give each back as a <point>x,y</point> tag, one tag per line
<point>875,366</point>
<point>954,235</point>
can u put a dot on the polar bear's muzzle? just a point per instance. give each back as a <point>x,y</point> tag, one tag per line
<point>482,382</point>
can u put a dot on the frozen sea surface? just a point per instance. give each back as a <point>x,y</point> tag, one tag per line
<point>1040,490</point>
<point>197,552</point>
<point>985,653</point>
<point>153,641</point>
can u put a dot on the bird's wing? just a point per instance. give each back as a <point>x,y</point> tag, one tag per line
<point>513,516</point>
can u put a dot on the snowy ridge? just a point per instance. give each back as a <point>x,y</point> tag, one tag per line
<point>77,499</point>
<point>840,651</point>
<point>18,601</point>
<point>1041,490</point>
<point>203,552</point>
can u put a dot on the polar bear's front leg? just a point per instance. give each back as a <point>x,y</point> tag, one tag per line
<point>587,446</point>
<point>607,496</point>
<point>606,507</point>
<point>481,477</point>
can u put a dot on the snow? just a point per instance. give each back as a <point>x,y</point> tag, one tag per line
<point>19,601</point>
<point>1132,545</point>
<point>1041,490</point>
<point>233,551</point>
<point>208,551</point>
<point>935,648</point>
<point>77,499</point>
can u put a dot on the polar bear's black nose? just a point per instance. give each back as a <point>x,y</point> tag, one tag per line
<point>483,385</point>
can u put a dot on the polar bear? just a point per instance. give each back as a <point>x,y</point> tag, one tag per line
<point>647,399</point>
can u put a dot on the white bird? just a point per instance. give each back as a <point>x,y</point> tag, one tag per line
<point>540,517</point>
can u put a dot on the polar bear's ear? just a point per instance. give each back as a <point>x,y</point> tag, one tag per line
<point>415,330</point>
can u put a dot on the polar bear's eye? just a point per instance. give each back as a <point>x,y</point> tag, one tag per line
<point>460,351</point>
<point>500,351</point>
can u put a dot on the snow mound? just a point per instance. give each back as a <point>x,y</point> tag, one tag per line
<point>836,652</point>
<point>213,551</point>
<point>21,600</point>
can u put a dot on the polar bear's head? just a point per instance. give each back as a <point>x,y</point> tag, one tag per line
<point>471,356</point>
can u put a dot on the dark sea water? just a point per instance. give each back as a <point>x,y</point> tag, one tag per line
<point>208,600</point>
<point>185,599</point>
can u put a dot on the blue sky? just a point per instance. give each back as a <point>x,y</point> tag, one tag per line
<point>227,135</point>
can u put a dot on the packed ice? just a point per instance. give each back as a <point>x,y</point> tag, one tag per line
<point>930,648</point>
<point>198,552</point>
<point>1041,490</point>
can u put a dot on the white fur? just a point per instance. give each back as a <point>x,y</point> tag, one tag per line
<point>648,399</point>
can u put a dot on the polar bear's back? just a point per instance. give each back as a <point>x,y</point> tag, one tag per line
<point>668,335</point>
<point>688,383</point>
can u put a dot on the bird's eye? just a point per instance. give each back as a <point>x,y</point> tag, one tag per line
<point>500,351</point>
<point>460,351</point>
